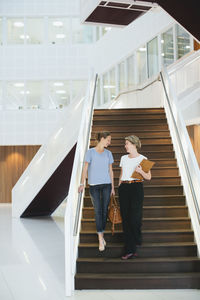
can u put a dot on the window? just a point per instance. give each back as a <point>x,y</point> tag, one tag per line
<point>142,64</point>
<point>152,53</point>
<point>78,86</point>
<point>1,96</point>
<point>112,84</point>
<point>34,94</point>
<point>15,31</point>
<point>81,33</point>
<point>167,47</point>
<point>1,42</point>
<point>121,70</point>
<point>58,30</point>
<point>130,70</point>
<point>59,93</point>
<point>105,88</point>
<point>34,30</point>
<point>183,41</point>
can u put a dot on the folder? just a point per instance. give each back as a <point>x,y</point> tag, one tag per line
<point>146,166</point>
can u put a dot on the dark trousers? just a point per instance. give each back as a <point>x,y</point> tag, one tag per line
<point>131,202</point>
<point>100,196</point>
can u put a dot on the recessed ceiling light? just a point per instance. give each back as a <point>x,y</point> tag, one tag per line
<point>60,36</point>
<point>60,92</point>
<point>107,28</point>
<point>57,23</point>
<point>162,41</point>
<point>58,83</point>
<point>18,24</point>
<point>109,86</point>
<point>187,47</point>
<point>19,84</point>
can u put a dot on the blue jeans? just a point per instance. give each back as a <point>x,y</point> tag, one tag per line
<point>100,195</point>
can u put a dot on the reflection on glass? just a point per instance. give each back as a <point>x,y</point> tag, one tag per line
<point>183,41</point>
<point>142,64</point>
<point>130,70</point>
<point>34,94</point>
<point>59,30</point>
<point>152,54</point>
<point>81,33</point>
<point>105,88</point>
<point>15,31</point>
<point>1,42</point>
<point>35,30</point>
<point>59,93</point>
<point>112,84</point>
<point>77,87</point>
<point>167,47</point>
<point>98,94</point>
<point>15,95</point>
<point>121,70</point>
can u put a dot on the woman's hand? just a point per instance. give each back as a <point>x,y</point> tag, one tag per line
<point>139,169</point>
<point>81,188</point>
<point>112,192</point>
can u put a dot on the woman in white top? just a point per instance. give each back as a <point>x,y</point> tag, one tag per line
<point>131,196</point>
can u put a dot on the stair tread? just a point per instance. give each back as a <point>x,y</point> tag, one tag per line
<point>151,207</point>
<point>144,245</point>
<point>151,219</point>
<point>143,231</point>
<point>138,275</point>
<point>143,259</point>
<point>155,196</point>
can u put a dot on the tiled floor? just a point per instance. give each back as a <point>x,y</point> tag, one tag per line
<point>32,264</point>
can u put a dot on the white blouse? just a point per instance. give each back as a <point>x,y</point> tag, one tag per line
<point>128,165</point>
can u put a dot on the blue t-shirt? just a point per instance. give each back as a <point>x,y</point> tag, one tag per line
<point>98,168</point>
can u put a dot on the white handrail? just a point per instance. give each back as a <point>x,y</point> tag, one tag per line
<point>74,201</point>
<point>186,159</point>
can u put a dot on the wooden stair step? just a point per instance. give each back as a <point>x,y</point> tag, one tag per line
<point>116,250</point>
<point>178,235</point>
<point>138,265</point>
<point>150,211</point>
<point>151,200</point>
<point>129,127</point>
<point>148,223</point>
<point>120,281</point>
<point>150,155</point>
<point>121,134</point>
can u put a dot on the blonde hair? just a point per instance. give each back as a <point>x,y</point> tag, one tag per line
<point>133,139</point>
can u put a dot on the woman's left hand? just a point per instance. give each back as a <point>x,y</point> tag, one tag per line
<point>139,169</point>
<point>112,192</point>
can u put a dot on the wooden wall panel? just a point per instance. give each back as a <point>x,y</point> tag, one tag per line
<point>13,162</point>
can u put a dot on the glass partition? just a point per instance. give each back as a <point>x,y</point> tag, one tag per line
<point>1,32</point>
<point>81,33</point>
<point>59,93</point>
<point>58,30</point>
<point>167,46</point>
<point>142,64</point>
<point>15,31</point>
<point>105,88</point>
<point>130,71</point>
<point>35,30</point>
<point>121,70</point>
<point>112,84</point>
<point>183,41</point>
<point>152,54</point>
<point>34,94</point>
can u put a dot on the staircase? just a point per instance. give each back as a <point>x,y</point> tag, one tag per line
<point>168,256</point>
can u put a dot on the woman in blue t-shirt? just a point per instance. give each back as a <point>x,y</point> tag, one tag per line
<point>98,164</point>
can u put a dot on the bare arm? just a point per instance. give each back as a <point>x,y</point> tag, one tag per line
<point>146,176</point>
<point>83,177</point>
<point>112,179</point>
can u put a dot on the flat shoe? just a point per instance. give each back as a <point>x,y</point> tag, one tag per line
<point>101,246</point>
